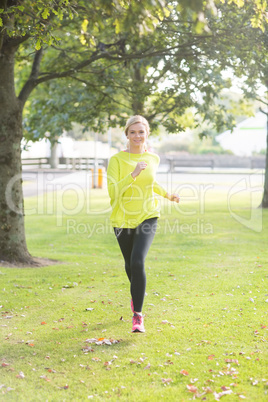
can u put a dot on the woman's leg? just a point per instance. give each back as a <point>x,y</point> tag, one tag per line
<point>134,245</point>
<point>142,240</point>
<point>125,240</point>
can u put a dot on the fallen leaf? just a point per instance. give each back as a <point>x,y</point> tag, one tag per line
<point>65,387</point>
<point>96,359</point>
<point>225,388</point>
<point>207,390</point>
<point>184,372</point>
<point>232,361</point>
<point>211,357</point>
<point>51,370</point>
<point>103,341</point>
<point>147,367</point>
<point>166,380</point>
<point>88,349</point>
<point>193,380</point>
<point>44,378</point>
<point>192,388</point>
<point>168,362</point>
<point>218,396</point>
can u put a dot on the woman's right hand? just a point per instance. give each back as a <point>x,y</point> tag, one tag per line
<point>139,167</point>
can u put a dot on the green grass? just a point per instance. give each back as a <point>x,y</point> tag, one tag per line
<point>201,280</point>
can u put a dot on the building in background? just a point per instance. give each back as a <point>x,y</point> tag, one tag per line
<point>67,147</point>
<point>248,137</point>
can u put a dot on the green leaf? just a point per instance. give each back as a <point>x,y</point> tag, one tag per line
<point>117,26</point>
<point>60,14</point>
<point>82,39</point>
<point>166,12</point>
<point>84,25</point>
<point>38,45</point>
<point>254,22</point>
<point>49,41</point>
<point>239,3</point>
<point>1,22</point>
<point>45,13</point>
<point>92,41</point>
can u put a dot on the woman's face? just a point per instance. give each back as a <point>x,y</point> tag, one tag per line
<point>137,134</point>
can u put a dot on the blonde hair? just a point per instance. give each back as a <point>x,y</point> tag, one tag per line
<point>137,119</point>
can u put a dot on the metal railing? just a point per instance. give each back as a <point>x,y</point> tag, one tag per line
<point>67,163</point>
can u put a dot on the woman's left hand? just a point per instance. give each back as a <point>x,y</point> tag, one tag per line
<point>173,197</point>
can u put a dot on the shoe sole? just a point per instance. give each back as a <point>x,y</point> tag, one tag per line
<point>137,330</point>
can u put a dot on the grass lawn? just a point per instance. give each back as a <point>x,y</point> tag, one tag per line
<point>205,309</point>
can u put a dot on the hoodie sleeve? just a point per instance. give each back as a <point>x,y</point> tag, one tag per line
<point>117,187</point>
<point>158,189</point>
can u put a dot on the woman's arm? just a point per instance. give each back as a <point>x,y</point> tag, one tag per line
<point>117,187</point>
<point>173,197</point>
<point>158,189</point>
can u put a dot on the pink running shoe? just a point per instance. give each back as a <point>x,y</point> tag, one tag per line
<point>132,306</point>
<point>137,322</point>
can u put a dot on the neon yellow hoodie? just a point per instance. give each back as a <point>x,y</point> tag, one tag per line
<point>133,200</point>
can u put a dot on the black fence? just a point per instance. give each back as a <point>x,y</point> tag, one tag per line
<point>66,163</point>
<point>212,161</point>
<point>173,162</point>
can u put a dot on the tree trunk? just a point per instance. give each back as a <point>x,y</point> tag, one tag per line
<point>264,203</point>
<point>12,233</point>
<point>138,98</point>
<point>54,160</point>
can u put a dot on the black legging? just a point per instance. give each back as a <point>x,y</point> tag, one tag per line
<point>135,244</point>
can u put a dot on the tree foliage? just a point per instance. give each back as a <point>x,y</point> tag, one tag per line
<point>156,62</point>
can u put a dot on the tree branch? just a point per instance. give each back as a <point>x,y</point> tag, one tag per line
<point>96,87</point>
<point>120,57</point>
<point>17,40</point>
<point>32,80</point>
<point>262,101</point>
<point>261,110</point>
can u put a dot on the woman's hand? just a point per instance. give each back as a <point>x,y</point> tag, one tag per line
<point>139,167</point>
<point>173,197</point>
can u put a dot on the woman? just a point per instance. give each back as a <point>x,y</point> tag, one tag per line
<point>131,185</point>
